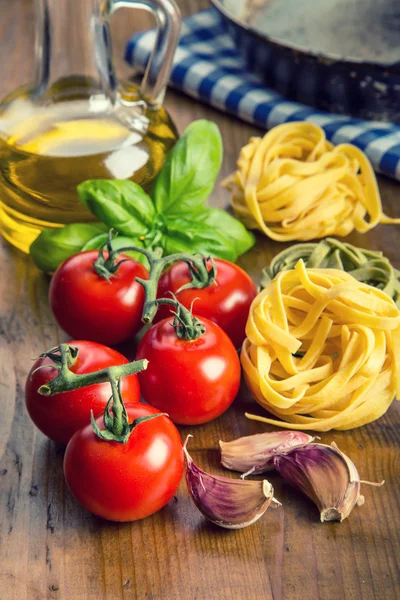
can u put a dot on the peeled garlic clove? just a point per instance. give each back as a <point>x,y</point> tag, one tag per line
<point>326,475</point>
<point>255,453</point>
<point>229,503</point>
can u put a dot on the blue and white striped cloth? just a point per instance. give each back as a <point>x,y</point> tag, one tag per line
<point>207,66</point>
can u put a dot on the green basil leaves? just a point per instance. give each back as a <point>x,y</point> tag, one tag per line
<point>233,230</point>
<point>175,218</point>
<point>53,246</point>
<point>120,204</point>
<point>188,176</point>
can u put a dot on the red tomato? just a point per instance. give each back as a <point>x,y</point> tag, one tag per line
<point>59,416</point>
<point>88,306</point>
<point>125,482</point>
<point>227,302</point>
<point>194,382</point>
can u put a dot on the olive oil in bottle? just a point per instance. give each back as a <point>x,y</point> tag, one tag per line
<point>45,152</point>
<point>77,119</point>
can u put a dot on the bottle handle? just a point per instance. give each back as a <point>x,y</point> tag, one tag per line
<point>168,20</point>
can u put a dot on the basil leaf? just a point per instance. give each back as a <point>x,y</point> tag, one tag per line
<point>189,173</point>
<point>120,204</point>
<point>53,246</point>
<point>118,242</point>
<point>233,230</point>
<point>95,243</point>
<point>185,235</point>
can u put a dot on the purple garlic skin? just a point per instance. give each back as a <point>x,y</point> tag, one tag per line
<point>326,475</point>
<point>256,453</point>
<point>227,502</point>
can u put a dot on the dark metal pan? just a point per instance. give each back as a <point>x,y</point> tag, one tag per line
<point>341,56</point>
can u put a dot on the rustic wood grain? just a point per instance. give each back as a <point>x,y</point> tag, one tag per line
<point>50,547</point>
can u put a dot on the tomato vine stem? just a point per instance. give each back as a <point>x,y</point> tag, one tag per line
<point>66,380</point>
<point>202,271</point>
<point>117,426</point>
<point>187,327</point>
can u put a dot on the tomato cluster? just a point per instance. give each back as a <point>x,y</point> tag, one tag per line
<point>192,376</point>
<point>142,474</point>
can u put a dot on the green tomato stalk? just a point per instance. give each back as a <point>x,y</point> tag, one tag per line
<point>66,380</point>
<point>117,427</point>
<point>186,326</point>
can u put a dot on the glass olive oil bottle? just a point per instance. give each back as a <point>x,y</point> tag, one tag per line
<point>77,121</point>
<point>46,152</point>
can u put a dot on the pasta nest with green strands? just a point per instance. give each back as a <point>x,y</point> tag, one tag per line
<point>322,350</point>
<point>367,266</point>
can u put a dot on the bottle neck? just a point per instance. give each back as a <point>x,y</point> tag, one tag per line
<point>73,49</point>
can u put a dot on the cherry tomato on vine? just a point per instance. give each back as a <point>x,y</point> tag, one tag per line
<point>60,416</point>
<point>88,306</point>
<point>126,482</point>
<point>193,381</point>
<point>226,302</point>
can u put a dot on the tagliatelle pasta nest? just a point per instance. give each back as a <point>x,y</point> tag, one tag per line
<point>322,350</point>
<point>293,184</point>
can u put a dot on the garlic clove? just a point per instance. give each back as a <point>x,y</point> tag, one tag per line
<point>229,503</point>
<point>255,453</point>
<point>326,475</point>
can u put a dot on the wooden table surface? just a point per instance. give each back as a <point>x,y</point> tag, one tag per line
<point>50,547</point>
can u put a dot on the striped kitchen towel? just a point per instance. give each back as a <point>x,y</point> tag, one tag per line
<point>208,67</point>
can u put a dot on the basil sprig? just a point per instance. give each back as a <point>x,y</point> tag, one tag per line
<point>175,218</point>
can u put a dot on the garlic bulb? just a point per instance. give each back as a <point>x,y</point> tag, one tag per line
<point>326,475</point>
<point>227,502</point>
<point>255,454</point>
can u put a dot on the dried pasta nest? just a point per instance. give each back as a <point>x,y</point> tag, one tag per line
<point>322,350</point>
<point>293,184</point>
